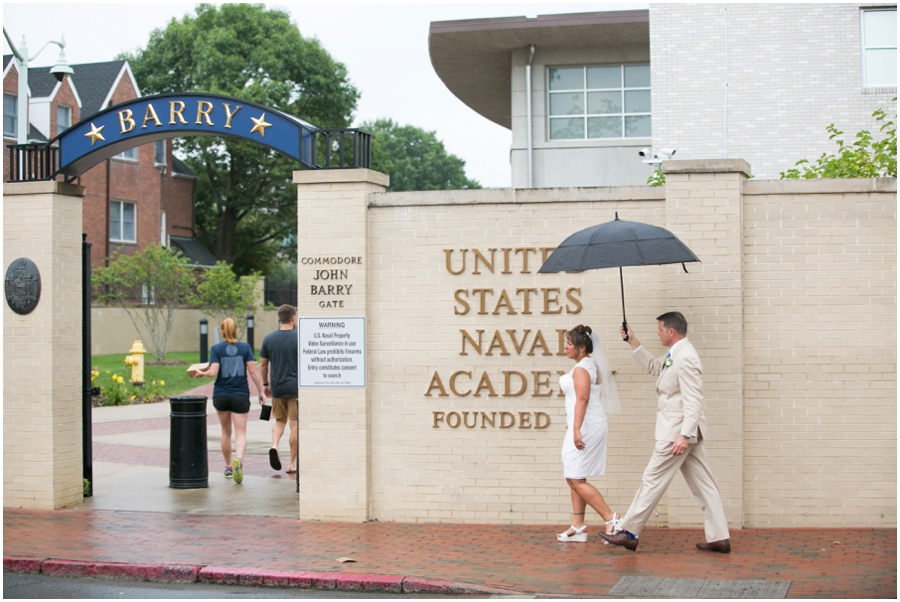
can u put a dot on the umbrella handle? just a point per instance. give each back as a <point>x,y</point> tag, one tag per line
<point>622,288</point>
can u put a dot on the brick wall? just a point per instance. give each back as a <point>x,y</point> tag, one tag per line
<point>777,54</point>
<point>65,97</point>
<point>489,473</point>
<point>820,353</point>
<point>42,446</point>
<point>334,448</point>
<point>793,311</point>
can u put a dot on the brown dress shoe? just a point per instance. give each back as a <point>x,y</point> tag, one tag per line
<point>723,546</point>
<point>620,539</point>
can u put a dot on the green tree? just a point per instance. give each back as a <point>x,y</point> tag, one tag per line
<point>415,159</point>
<point>864,158</point>
<point>223,295</point>
<point>246,207</point>
<point>149,285</point>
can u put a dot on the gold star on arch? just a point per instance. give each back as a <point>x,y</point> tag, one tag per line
<point>260,125</point>
<point>95,133</point>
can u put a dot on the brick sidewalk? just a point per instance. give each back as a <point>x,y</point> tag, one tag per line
<point>152,456</point>
<point>819,563</point>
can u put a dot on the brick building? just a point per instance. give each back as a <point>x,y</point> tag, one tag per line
<point>138,197</point>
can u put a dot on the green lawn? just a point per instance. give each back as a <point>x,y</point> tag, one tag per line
<point>170,380</point>
<point>175,377</point>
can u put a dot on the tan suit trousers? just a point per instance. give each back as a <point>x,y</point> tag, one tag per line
<point>657,478</point>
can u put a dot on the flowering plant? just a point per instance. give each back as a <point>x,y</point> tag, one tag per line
<point>667,363</point>
<point>116,393</point>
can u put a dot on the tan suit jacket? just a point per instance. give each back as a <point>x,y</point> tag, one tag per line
<point>680,390</point>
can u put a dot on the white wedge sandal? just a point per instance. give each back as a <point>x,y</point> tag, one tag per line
<point>580,535</point>
<point>614,521</point>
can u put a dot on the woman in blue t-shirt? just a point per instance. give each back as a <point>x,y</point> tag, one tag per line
<point>230,362</point>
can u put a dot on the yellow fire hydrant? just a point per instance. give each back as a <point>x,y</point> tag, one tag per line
<point>136,361</point>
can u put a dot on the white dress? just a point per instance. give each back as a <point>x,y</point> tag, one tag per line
<point>591,461</point>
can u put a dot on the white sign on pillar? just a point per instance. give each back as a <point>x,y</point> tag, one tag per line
<point>332,352</point>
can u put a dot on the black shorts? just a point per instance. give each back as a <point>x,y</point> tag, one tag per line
<point>239,404</point>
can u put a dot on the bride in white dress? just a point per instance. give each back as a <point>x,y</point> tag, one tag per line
<point>590,396</point>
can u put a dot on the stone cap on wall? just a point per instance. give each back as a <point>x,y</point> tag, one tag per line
<point>42,187</point>
<point>820,186</point>
<point>341,176</point>
<point>518,196</point>
<point>706,166</point>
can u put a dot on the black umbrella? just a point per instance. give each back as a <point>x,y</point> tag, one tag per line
<point>616,244</point>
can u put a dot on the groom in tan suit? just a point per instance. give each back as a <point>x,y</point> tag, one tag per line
<point>680,427</point>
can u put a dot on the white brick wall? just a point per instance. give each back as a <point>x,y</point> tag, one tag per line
<point>792,70</point>
<point>42,447</point>
<point>777,429</point>
<point>821,355</point>
<point>426,474</point>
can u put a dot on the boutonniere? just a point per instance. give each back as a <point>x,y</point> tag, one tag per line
<point>667,363</point>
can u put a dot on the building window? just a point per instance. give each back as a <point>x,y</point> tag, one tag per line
<point>10,115</point>
<point>159,152</point>
<point>63,118</point>
<point>879,47</point>
<point>599,102</point>
<point>130,155</point>
<point>121,222</point>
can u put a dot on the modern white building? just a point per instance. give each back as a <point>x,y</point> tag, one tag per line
<point>584,93</point>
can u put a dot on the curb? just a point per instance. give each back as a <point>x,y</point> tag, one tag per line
<point>175,573</point>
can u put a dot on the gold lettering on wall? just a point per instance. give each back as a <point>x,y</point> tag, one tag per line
<point>448,253</point>
<point>125,121</point>
<point>503,419</point>
<point>151,114</point>
<point>484,298</point>
<point>176,107</point>
<point>487,299</point>
<point>204,108</point>
<point>229,114</point>
<point>488,265</point>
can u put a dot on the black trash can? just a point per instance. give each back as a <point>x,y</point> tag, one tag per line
<point>188,460</point>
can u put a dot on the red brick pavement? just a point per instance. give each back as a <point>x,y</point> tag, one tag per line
<point>820,563</point>
<point>154,456</point>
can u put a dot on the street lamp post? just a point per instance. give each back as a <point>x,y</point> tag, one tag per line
<point>61,70</point>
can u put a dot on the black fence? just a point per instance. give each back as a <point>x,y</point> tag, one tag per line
<point>279,294</point>
<point>345,148</point>
<point>32,162</point>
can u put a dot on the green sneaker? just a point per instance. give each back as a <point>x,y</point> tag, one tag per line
<point>238,469</point>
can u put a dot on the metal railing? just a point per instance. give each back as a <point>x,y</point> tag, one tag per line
<point>280,293</point>
<point>345,148</point>
<point>32,162</point>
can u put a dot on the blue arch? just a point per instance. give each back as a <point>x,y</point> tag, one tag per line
<point>119,128</point>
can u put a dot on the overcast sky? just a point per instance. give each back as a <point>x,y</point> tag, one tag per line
<point>384,46</point>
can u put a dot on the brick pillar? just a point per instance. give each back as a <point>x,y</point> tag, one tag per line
<point>704,209</point>
<point>334,450</point>
<point>42,447</point>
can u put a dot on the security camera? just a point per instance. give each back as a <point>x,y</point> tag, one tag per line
<point>669,152</point>
<point>644,152</point>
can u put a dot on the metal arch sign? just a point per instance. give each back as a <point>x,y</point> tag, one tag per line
<point>124,126</point>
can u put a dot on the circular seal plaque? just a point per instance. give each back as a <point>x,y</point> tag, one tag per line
<point>23,286</point>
